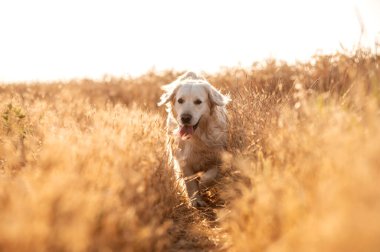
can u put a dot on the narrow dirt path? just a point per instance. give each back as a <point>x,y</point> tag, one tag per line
<point>196,230</point>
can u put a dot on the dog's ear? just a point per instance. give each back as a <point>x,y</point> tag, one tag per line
<point>169,92</point>
<point>217,98</point>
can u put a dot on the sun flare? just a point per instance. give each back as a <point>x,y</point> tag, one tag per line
<point>46,40</point>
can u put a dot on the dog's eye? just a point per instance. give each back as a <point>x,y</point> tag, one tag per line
<point>197,102</point>
<point>180,101</point>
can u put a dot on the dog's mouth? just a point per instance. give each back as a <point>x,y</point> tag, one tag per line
<point>186,131</point>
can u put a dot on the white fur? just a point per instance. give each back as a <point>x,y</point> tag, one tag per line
<point>199,154</point>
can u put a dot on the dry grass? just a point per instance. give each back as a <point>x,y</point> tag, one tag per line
<point>82,164</point>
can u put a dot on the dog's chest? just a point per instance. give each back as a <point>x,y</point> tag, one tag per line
<point>185,151</point>
<point>199,158</point>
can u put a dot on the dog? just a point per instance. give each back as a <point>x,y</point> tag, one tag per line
<point>197,131</point>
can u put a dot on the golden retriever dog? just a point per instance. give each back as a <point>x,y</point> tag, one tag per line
<point>196,130</point>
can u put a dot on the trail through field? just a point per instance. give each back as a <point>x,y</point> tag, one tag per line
<point>194,231</point>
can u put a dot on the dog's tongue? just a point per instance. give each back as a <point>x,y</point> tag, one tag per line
<point>186,130</point>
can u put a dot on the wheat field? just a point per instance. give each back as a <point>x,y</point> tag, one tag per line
<point>83,163</point>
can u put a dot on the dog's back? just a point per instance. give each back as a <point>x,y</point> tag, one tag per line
<point>191,76</point>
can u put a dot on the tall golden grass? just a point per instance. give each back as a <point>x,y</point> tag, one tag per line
<point>83,164</point>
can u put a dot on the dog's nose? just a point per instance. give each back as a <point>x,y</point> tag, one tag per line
<point>186,118</point>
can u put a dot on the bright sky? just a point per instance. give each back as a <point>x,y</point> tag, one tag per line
<point>50,40</point>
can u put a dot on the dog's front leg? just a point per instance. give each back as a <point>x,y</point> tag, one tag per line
<point>208,178</point>
<point>192,188</point>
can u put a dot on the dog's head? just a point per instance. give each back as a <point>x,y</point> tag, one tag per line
<point>191,99</point>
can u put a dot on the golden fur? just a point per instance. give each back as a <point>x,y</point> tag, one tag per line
<point>199,154</point>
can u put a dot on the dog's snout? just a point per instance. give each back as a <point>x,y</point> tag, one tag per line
<point>186,118</point>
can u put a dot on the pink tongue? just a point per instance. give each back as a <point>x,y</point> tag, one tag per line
<point>186,130</point>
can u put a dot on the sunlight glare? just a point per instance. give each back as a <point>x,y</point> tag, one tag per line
<point>46,40</point>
